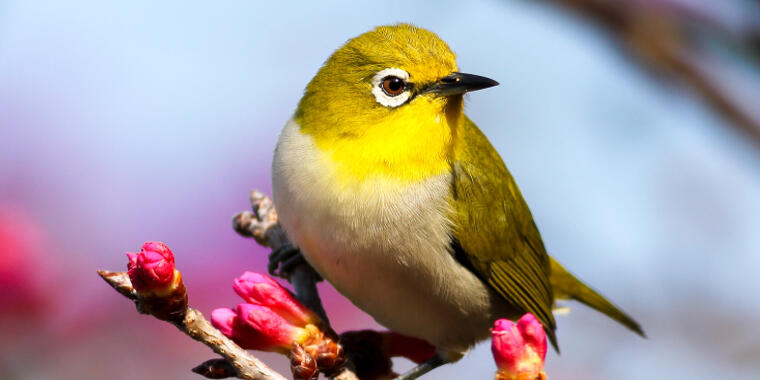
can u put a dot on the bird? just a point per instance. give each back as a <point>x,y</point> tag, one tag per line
<point>395,197</point>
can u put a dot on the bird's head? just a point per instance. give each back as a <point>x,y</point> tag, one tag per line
<point>397,85</point>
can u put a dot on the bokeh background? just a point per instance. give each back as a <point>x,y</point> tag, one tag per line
<point>122,122</point>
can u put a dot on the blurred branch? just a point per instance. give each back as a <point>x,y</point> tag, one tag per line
<point>660,35</point>
<point>239,362</point>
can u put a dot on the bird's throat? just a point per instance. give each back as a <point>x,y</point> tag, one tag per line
<point>416,143</point>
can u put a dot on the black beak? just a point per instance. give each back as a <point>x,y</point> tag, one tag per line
<point>459,83</point>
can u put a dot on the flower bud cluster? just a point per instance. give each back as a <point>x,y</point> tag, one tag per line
<point>519,349</point>
<point>157,281</point>
<point>271,319</point>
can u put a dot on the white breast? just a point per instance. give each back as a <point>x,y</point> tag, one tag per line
<point>382,244</point>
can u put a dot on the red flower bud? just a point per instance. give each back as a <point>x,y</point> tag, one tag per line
<point>519,349</point>
<point>158,283</point>
<point>152,269</point>
<point>256,327</point>
<point>256,288</point>
<point>414,349</point>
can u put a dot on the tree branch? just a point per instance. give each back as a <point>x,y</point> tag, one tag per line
<point>195,325</point>
<point>658,35</point>
<point>263,225</point>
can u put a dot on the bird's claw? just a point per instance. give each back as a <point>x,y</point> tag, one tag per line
<point>283,260</point>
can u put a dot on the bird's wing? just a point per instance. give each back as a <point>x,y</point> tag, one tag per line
<point>494,231</point>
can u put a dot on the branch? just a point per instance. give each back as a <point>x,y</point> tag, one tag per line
<point>240,363</point>
<point>263,225</point>
<point>156,287</point>
<point>659,37</point>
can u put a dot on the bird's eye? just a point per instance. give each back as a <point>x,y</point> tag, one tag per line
<point>393,85</point>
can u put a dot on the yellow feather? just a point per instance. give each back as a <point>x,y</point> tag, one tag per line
<point>412,145</point>
<point>365,138</point>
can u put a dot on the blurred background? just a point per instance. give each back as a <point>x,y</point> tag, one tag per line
<point>632,128</point>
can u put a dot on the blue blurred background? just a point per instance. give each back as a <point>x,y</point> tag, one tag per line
<point>123,122</point>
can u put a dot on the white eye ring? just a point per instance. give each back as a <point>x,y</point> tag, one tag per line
<point>381,96</point>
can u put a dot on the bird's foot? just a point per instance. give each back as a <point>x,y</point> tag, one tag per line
<point>284,259</point>
<point>434,362</point>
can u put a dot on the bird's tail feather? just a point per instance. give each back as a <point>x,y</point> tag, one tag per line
<point>567,286</point>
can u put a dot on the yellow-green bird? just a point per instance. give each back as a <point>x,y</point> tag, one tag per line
<point>397,199</point>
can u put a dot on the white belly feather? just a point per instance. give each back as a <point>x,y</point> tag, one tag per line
<point>382,244</point>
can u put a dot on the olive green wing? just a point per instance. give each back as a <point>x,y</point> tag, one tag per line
<point>494,231</point>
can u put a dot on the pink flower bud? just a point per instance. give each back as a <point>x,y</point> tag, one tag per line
<point>256,288</point>
<point>224,320</point>
<point>152,269</point>
<point>519,349</point>
<point>507,344</point>
<point>256,327</point>
<point>533,334</point>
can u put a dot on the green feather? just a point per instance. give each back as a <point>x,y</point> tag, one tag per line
<point>567,286</point>
<point>494,229</point>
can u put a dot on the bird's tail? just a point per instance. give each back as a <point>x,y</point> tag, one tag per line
<point>567,286</point>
